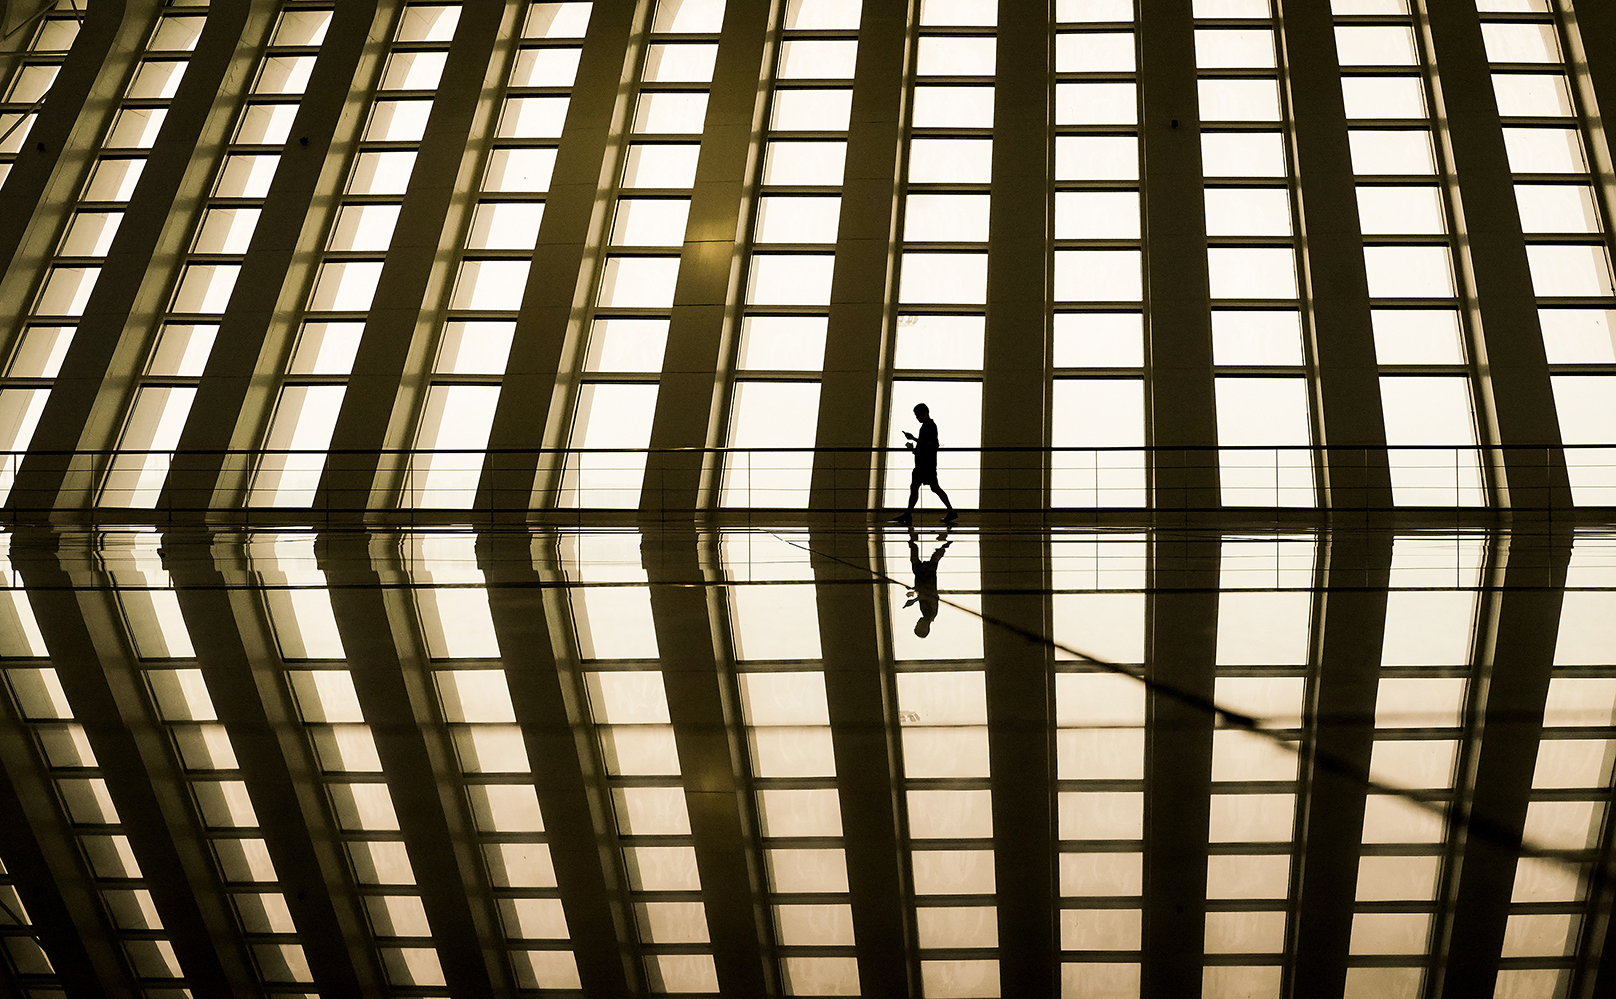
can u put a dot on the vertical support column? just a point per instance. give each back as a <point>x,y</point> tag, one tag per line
<point>421,774</point>
<point>48,873</point>
<point>1181,410</point>
<point>1021,734</point>
<point>87,406</point>
<point>551,325</point>
<point>693,386</point>
<point>1337,748</point>
<point>1516,664</point>
<point>249,694</point>
<point>103,687</point>
<point>278,265</point>
<point>1015,360</point>
<point>1516,404</point>
<point>556,728</point>
<point>860,696</point>
<point>1357,475</point>
<point>713,758</point>
<point>83,99</point>
<point>378,407</point>
<point>851,393</point>
<point>1181,653</point>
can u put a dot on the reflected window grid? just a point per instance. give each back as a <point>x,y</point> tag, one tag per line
<point>1421,331</point>
<point>781,346</point>
<point>1098,327</point>
<point>1260,367</point>
<point>70,275</point>
<point>39,703</point>
<point>314,378</point>
<point>208,274</point>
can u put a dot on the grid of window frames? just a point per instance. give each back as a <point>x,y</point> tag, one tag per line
<point>27,73</point>
<point>1552,907</point>
<point>1264,647</point>
<point>782,336</point>
<point>1099,609</point>
<point>39,702</point>
<point>947,792</point>
<point>774,629</point>
<point>943,261</point>
<point>634,295</point>
<point>475,340</point>
<point>1564,213</point>
<point>617,650</point>
<point>1257,343</point>
<point>475,703</point>
<point>297,603</point>
<point>222,803</point>
<point>315,377</point>
<point>72,272</point>
<point>1419,329</point>
<point>23,962</point>
<point>1422,705</point>
<point>1098,357</point>
<point>186,337</point>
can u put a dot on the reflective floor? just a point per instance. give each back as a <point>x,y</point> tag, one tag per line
<point>851,761</point>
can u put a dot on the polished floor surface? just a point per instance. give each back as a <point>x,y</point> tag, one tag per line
<point>797,761</point>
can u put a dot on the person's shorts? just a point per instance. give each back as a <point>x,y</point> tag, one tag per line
<point>924,476</point>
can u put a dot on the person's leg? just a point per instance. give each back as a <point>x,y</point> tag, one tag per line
<point>914,491</point>
<point>941,495</point>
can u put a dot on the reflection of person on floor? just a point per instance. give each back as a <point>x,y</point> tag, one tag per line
<point>925,448</point>
<point>925,591</point>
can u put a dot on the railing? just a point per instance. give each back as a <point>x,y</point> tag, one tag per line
<point>826,479</point>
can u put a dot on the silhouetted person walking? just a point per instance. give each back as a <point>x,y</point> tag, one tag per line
<point>925,449</point>
<point>925,591</point>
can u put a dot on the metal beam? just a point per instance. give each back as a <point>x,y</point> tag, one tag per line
<point>713,759</point>
<point>1181,411</point>
<point>556,726</point>
<point>1357,475</point>
<point>862,702</point>
<point>692,390</point>
<point>856,341</point>
<point>1516,403</point>
<point>1021,750</point>
<point>393,683</point>
<point>280,263</point>
<point>104,686</point>
<point>379,407</point>
<point>1181,652</point>
<point>1516,661</point>
<point>1015,372</point>
<point>1336,750</point>
<point>246,682</point>
<point>534,406</point>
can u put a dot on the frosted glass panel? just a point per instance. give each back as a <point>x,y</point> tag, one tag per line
<point>771,415</point>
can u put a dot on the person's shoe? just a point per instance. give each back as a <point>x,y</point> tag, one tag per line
<point>903,518</point>
<point>950,516</point>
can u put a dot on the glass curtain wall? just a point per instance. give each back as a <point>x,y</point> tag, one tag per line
<point>782,335</point>
<point>474,342</point>
<point>314,378</point>
<point>1099,388</point>
<point>943,260</point>
<point>1420,327</point>
<point>1564,211</point>
<point>72,271</point>
<point>633,301</point>
<point>186,337</point>
<point>1257,345</point>
<point>27,72</point>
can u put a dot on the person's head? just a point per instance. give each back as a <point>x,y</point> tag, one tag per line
<point>922,412</point>
<point>923,627</point>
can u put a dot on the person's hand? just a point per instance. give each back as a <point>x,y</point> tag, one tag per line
<point>908,436</point>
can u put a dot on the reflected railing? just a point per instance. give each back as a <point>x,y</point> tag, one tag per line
<point>577,480</point>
